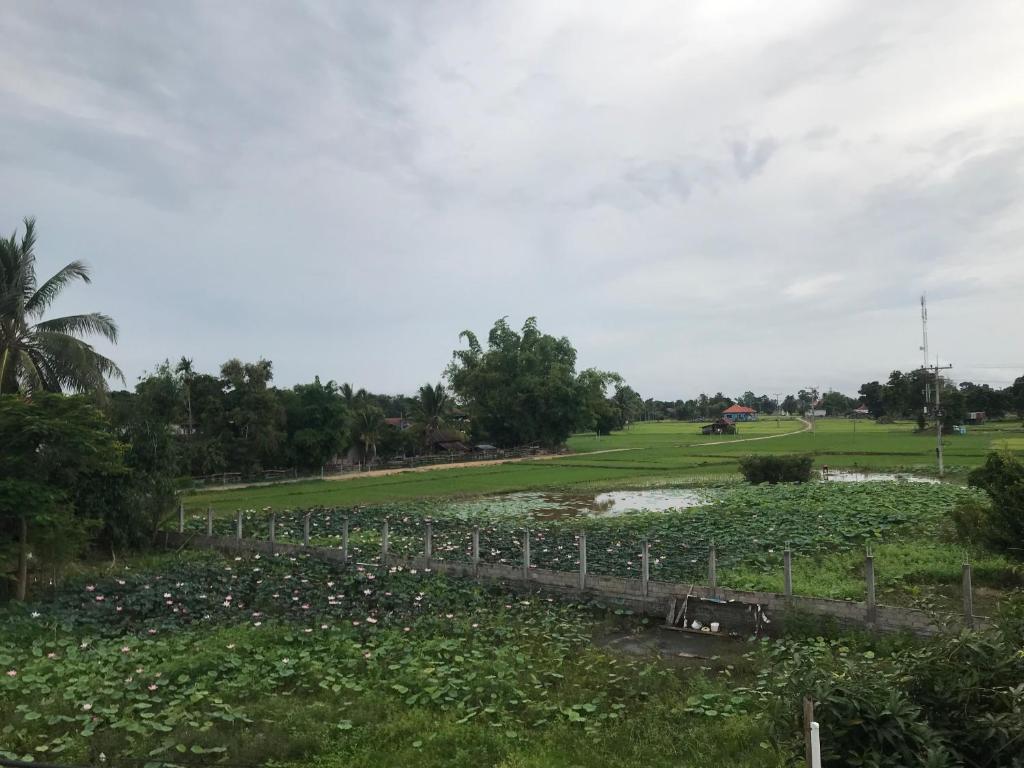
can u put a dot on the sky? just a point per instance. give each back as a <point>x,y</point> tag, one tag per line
<point>703,196</point>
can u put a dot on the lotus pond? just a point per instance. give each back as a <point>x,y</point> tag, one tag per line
<point>826,525</point>
<point>200,660</point>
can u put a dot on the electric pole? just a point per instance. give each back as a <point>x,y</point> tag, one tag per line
<point>924,348</point>
<point>934,369</point>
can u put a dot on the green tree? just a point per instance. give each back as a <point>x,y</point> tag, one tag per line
<point>872,393</point>
<point>254,415</point>
<point>37,354</point>
<point>522,389</point>
<point>432,410</point>
<point>1002,478</point>
<point>52,445</point>
<point>366,430</point>
<point>317,419</point>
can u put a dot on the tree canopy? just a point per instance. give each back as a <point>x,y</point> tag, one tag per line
<point>38,354</point>
<point>523,388</point>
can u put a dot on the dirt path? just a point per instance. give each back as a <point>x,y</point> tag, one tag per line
<point>426,468</point>
<point>491,462</point>
<point>806,428</point>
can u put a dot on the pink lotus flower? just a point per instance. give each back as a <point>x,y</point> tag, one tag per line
<point>151,687</point>
<point>12,673</point>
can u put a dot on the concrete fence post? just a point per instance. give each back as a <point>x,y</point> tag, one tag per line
<point>384,544</point>
<point>428,540</point>
<point>209,521</point>
<point>476,546</point>
<point>968,598</point>
<point>238,524</point>
<point>305,530</point>
<point>344,539</point>
<point>526,553</point>
<point>583,560</point>
<point>645,567</point>
<point>869,585</point>
<point>181,517</point>
<point>712,568</point>
<point>787,572</point>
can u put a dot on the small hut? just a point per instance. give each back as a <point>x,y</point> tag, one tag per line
<point>719,427</point>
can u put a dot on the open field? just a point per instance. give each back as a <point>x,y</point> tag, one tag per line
<point>656,453</point>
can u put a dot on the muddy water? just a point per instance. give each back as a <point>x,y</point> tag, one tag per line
<point>556,505</point>
<point>846,476</point>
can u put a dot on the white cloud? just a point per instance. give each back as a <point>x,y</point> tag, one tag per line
<point>342,188</point>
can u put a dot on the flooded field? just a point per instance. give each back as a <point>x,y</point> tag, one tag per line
<point>850,476</point>
<point>555,505</point>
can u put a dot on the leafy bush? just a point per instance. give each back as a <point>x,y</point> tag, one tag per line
<point>776,469</point>
<point>956,700</point>
<point>1001,526</point>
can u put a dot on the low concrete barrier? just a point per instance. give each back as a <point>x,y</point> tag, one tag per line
<point>740,611</point>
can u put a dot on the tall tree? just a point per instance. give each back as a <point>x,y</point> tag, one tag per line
<point>366,429</point>
<point>522,389</point>
<point>38,354</point>
<point>52,445</point>
<point>432,409</point>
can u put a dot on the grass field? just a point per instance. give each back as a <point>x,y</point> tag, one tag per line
<point>658,453</point>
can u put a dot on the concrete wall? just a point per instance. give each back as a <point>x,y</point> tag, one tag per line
<point>737,611</point>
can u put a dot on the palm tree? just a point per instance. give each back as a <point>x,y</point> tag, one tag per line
<point>46,354</point>
<point>432,409</point>
<point>366,425</point>
<point>187,372</point>
<point>351,396</point>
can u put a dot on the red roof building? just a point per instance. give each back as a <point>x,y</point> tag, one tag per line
<point>738,412</point>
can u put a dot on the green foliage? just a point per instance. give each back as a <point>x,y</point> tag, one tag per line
<point>1001,526</point>
<point>256,660</point>
<point>37,354</point>
<point>53,447</point>
<point>776,469</point>
<point>953,700</point>
<point>523,388</point>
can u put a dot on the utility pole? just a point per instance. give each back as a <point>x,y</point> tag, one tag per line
<point>924,348</point>
<point>778,405</point>
<point>934,369</point>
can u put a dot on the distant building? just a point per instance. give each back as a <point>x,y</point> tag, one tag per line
<point>860,412</point>
<point>721,427</point>
<point>398,423</point>
<point>739,413</point>
<point>975,417</point>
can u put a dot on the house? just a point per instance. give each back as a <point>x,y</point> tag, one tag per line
<point>720,427</point>
<point>860,412</point>
<point>975,417</point>
<point>398,422</point>
<point>447,441</point>
<point>739,413</point>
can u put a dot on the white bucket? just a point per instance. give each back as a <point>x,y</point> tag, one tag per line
<point>714,626</point>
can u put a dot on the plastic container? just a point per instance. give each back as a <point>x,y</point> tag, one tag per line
<point>714,626</point>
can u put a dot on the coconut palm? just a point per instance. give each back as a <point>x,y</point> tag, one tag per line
<point>432,409</point>
<point>366,425</point>
<point>46,354</point>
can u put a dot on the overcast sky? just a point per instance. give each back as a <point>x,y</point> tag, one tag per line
<point>701,196</point>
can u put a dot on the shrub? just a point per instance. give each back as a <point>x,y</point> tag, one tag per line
<point>776,469</point>
<point>1001,526</point>
<point>954,700</point>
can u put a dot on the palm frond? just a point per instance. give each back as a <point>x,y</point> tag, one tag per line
<point>81,325</point>
<point>43,297</point>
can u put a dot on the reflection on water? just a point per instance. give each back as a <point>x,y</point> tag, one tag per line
<point>847,476</point>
